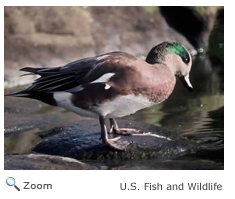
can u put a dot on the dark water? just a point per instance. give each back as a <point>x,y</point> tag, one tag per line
<point>197,115</point>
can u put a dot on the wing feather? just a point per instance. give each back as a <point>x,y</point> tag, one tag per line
<point>63,78</point>
<point>71,77</point>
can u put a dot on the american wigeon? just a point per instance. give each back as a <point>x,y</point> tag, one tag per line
<point>112,85</point>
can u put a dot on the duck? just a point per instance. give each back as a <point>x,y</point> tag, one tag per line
<point>112,85</point>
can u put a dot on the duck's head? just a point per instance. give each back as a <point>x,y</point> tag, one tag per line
<point>174,56</point>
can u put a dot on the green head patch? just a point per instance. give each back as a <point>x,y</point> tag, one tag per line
<point>159,52</point>
<point>179,50</point>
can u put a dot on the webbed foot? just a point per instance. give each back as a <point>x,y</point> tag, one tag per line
<point>117,143</point>
<point>121,131</point>
<point>125,131</point>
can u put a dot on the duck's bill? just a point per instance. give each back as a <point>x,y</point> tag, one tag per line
<point>186,82</point>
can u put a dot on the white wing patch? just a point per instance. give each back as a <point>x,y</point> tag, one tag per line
<point>104,78</point>
<point>107,87</point>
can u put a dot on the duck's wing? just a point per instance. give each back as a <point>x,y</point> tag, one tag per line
<point>66,78</point>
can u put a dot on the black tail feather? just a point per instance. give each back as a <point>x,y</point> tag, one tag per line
<point>31,70</point>
<point>18,94</point>
<point>44,97</point>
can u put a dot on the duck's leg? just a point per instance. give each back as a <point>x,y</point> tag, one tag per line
<point>114,143</point>
<point>121,131</point>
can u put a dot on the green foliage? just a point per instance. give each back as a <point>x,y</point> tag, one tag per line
<point>216,42</point>
<point>203,10</point>
<point>151,9</point>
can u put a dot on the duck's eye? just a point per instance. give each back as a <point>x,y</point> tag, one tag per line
<point>185,60</point>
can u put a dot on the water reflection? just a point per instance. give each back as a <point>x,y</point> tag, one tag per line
<point>198,115</point>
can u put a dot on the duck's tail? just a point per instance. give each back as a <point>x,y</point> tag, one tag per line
<point>29,93</point>
<point>44,97</point>
<point>24,93</point>
<point>18,94</point>
<point>31,70</point>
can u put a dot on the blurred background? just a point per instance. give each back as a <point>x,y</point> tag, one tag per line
<point>54,36</point>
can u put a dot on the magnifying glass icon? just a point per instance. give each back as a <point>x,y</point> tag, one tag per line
<point>11,182</point>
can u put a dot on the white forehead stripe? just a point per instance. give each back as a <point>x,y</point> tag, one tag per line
<point>104,78</point>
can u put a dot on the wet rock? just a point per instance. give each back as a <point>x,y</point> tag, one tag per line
<point>80,140</point>
<point>43,162</point>
<point>196,164</point>
<point>22,114</point>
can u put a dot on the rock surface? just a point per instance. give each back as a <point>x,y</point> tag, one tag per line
<point>177,164</point>
<point>42,162</point>
<point>54,36</point>
<point>80,140</point>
